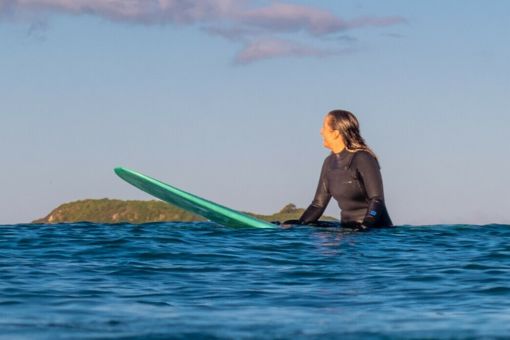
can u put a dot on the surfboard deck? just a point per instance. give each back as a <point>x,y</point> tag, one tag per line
<point>189,202</point>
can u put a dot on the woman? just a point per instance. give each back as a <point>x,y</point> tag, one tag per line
<point>350,174</point>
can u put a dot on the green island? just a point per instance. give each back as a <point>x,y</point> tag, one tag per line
<point>120,211</point>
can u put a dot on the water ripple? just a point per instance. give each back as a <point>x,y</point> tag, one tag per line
<point>199,279</point>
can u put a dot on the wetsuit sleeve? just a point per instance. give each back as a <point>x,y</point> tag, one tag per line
<point>320,201</point>
<point>370,173</point>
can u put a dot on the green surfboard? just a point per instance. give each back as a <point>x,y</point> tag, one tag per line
<point>197,205</point>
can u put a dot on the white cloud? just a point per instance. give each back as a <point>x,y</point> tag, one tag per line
<point>238,20</point>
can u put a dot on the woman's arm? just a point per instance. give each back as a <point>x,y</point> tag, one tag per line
<point>320,201</point>
<point>370,173</point>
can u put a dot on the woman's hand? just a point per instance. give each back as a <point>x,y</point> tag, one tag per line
<point>289,223</point>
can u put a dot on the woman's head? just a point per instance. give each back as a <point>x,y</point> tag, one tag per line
<point>342,127</point>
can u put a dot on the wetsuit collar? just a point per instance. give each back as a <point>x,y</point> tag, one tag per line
<point>342,154</point>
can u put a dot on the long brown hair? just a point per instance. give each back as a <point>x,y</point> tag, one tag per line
<point>347,124</point>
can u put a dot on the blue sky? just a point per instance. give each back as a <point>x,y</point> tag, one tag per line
<point>226,101</point>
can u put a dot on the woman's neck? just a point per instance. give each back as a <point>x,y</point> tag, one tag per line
<point>338,148</point>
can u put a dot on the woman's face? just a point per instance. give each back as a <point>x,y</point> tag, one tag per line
<point>329,137</point>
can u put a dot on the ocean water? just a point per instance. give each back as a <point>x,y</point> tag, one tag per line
<point>184,280</point>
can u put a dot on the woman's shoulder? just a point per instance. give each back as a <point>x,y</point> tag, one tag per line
<point>364,157</point>
<point>362,153</point>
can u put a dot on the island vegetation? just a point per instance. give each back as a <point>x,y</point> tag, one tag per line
<point>131,211</point>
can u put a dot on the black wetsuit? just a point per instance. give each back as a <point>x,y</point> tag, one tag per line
<point>354,180</point>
